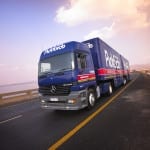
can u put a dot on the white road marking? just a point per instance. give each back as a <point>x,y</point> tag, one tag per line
<point>13,118</point>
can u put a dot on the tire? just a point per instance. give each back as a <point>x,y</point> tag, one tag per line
<point>110,89</point>
<point>91,99</point>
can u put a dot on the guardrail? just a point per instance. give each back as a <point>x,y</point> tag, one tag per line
<point>12,97</point>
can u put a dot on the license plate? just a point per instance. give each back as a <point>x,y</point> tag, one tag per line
<point>54,99</point>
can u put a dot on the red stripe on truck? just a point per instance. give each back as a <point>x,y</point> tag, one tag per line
<point>104,71</point>
<point>86,77</point>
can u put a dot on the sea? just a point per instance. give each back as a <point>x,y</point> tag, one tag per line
<point>18,87</point>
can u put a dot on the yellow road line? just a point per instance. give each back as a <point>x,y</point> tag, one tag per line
<point>88,119</point>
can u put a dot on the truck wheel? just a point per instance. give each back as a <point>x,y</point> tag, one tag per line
<point>110,89</point>
<point>91,98</point>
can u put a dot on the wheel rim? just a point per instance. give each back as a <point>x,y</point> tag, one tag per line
<point>91,99</point>
<point>124,81</point>
<point>110,89</point>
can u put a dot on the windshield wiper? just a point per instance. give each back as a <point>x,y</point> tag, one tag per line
<point>65,69</point>
<point>49,72</point>
<point>46,73</point>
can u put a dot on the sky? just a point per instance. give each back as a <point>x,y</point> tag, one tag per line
<point>27,27</point>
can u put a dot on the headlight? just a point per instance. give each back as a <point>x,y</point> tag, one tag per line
<point>72,101</point>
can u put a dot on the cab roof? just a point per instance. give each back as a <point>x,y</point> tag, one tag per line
<point>63,48</point>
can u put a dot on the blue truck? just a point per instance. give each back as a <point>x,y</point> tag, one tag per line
<point>73,75</point>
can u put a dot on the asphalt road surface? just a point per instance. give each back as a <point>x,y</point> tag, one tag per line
<point>119,122</point>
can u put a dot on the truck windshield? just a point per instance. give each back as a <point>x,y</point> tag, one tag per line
<point>54,64</point>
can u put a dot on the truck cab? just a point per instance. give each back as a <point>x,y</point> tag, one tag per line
<point>66,77</point>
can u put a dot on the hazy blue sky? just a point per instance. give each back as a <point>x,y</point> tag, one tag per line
<point>29,26</point>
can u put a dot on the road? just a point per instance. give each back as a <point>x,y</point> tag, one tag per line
<point>120,122</point>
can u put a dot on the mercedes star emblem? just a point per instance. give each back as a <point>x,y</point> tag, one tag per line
<point>53,89</point>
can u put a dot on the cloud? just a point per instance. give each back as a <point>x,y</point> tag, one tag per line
<point>72,14</point>
<point>103,33</point>
<point>126,13</point>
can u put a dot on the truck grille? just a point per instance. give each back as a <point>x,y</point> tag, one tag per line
<point>53,90</point>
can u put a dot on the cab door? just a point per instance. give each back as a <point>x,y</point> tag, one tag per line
<point>85,67</point>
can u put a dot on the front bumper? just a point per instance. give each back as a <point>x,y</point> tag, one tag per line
<point>74,101</point>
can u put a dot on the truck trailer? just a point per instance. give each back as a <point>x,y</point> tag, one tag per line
<point>73,75</point>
